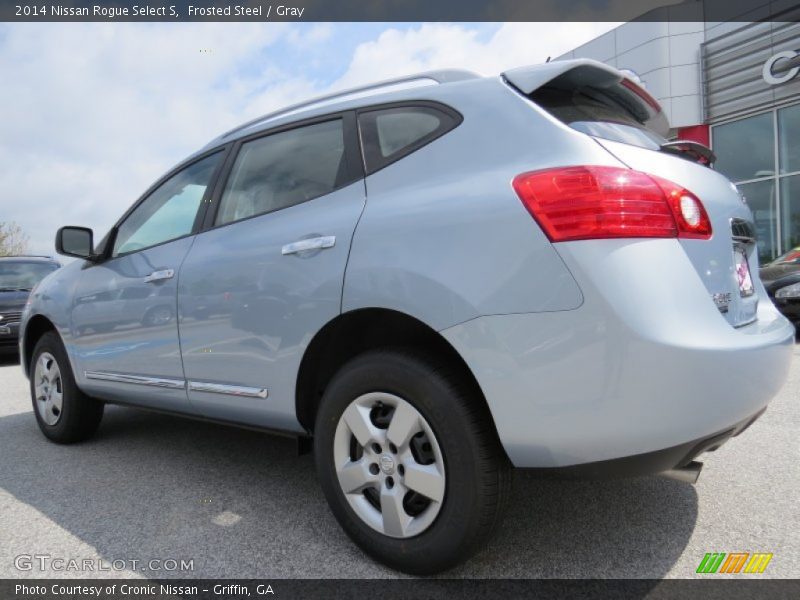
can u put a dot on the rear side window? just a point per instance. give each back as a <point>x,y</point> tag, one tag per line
<point>284,169</point>
<point>388,134</point>
<point>598,113</point>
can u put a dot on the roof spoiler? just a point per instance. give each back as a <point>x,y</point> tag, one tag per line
<point>591,74</point>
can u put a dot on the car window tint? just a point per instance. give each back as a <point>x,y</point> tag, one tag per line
<point>389,134</point>
<point>169,212</point>
<point>399,129</point>
<point>284,169</point>
<point>23,275</point>
<point>598,114</point>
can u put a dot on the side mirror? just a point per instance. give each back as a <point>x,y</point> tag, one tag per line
<point>75,241</point>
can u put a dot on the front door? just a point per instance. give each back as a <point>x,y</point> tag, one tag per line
<point>124,312</point>
<point>268,275</point>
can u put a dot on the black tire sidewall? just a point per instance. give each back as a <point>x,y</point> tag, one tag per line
<point>451,536</point>
<point>65,427</point>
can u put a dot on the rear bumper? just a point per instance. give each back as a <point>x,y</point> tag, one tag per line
<point>658,461</point>
<point>631,372</point>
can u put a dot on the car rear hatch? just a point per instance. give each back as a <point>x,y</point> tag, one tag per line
<point>622,117</point>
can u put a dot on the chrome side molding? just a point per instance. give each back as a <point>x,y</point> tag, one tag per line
<point>175,384</point>
<point>231,390</point>
<point>179,384</point>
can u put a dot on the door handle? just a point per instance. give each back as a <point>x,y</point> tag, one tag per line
<point>317,243</point>
<point>160,275</point>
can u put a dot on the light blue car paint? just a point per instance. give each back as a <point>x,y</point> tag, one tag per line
<point>118,340</point>
<point>584,351</point>
<point>637,368</point>
<point>276,303</point>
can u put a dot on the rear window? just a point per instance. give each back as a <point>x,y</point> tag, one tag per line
<point>598,113</point>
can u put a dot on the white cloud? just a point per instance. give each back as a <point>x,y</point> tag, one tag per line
<point>94,112</point>
<point>436,46</point>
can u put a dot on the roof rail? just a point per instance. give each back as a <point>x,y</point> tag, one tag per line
<point>440,76</point>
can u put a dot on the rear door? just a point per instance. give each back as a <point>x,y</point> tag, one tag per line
<point>125,331</point>
<point>268,273</point>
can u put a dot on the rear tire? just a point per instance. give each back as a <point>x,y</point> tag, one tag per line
<point>64,413</point>
<point>458,513</point>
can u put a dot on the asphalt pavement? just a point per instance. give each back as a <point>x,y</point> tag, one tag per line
<point>150,489</point>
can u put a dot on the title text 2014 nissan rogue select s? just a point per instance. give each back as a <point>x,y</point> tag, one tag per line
<point>438,278</point>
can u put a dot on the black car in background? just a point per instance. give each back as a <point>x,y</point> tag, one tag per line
<point>18,275</point>
<point>781,279</point>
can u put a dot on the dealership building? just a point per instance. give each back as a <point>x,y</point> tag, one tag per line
<point>734,86</point>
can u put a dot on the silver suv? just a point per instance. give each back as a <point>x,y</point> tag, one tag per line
<point>434,278</point>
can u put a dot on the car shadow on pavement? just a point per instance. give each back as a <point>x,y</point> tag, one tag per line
<point>243,504</point>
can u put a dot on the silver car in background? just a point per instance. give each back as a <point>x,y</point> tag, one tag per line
<point>436,278</point>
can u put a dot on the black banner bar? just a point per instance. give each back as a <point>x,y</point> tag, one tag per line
<point>711,588</point>
<point>399,10</point>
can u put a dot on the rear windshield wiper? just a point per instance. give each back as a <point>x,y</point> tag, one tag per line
<point>14,289</point>
<point>691,150</point>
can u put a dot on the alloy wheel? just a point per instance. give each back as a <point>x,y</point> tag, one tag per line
<point>389,465</point>
<point>49,388</point>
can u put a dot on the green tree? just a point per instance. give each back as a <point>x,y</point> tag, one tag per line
<point>13,240</point>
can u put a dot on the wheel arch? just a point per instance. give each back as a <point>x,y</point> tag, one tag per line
<point>358,331</point>
<point>35,328</point>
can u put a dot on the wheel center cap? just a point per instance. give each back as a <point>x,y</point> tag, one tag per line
<point>387,464</point>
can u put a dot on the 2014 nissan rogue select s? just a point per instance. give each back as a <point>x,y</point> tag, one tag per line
<point>436,278</point>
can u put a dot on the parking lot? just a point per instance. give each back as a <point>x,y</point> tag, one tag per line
<point>241,504</point>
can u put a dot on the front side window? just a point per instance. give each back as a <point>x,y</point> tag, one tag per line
<point>389,134</point>
<point>284,169</point>
<point>169,212</point>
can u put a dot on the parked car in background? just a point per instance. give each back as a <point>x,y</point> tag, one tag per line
<point>104,311</point>
<point>781,279</point>
<point>18,276</point>
<point>434,279</point>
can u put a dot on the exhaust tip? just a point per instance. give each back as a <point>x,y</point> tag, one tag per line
<point>688,473</point>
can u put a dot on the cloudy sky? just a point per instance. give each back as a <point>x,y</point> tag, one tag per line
<point>93,113</point>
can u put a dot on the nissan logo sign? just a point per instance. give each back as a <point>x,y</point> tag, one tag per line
<point>787,71</point>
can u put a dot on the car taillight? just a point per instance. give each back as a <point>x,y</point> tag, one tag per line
<point>592,202</point>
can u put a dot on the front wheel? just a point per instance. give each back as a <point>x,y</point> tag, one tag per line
<point>409,461</point>
<point>63,412</point>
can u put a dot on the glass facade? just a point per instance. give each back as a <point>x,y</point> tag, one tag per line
<point>761,155</point>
